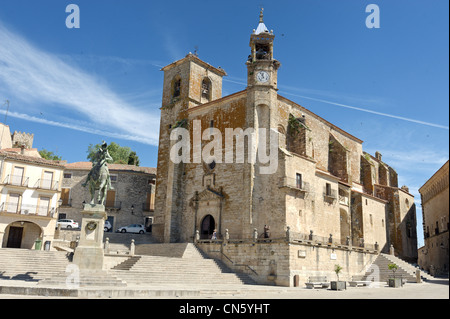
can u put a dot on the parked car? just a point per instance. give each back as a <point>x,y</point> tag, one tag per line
<point>133,228</point>
<point>67,223</point>
<point>108,226</point>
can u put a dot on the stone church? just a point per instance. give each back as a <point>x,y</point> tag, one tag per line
<point>324,187</point>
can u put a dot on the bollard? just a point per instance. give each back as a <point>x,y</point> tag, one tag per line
<point>296,281</point>
<point>418,278</point>
<point>107,246</point>
<point>132,248</point>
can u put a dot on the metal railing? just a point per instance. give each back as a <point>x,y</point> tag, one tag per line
<point>16,180</point>
<point>293,183</point>
<point>27,209</point>
<point>330,193</point>
<point>112,204</point>
<point>47,184</point>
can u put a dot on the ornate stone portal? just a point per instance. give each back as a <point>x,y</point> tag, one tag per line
<point>89,253</point>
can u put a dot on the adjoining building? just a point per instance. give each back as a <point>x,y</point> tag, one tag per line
<point>130,202</point>
<point>30,189</point>
<point>434,255</point>
<point>324,186</point>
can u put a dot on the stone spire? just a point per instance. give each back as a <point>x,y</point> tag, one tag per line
<point>261,26</point>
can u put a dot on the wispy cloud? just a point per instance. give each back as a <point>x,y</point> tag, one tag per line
<point>87,128</point>
<point>33,76</point>
<point>369,111</point>
<point>288,90</point>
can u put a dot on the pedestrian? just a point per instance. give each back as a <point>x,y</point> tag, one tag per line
<point>266,231</point>
<point>214,235</point>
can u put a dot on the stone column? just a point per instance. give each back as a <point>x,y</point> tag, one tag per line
<point>89,253</point>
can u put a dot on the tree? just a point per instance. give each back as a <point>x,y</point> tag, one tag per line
<point>133,159</point>
<point>120,154</point>
<point>49,155</point>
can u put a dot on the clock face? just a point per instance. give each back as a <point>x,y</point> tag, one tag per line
<point>262,76</point>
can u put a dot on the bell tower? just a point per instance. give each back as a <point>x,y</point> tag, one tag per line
<point>262,115</point>
<point>261,65</point>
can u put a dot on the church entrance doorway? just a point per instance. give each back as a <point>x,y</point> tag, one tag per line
<point>207,228</point>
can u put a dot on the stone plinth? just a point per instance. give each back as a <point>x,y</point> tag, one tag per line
<point>89,253</point>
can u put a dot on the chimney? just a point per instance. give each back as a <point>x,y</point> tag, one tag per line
<point>378,155</point>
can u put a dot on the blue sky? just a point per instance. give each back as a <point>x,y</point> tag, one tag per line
<point>72,87</point>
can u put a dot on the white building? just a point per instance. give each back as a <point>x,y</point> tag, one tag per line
<point>30,189</point>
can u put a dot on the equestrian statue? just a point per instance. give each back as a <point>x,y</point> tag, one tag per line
<point>99,178</point>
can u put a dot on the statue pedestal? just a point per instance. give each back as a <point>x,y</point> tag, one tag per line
<point>89,253</point>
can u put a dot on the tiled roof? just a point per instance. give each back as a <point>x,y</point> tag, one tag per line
<point>11,154</point>
<point>112,167</point>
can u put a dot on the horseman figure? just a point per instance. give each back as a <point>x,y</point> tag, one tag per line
<point>99,178</point>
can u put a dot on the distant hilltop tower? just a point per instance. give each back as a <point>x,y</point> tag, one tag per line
<point>20,139</point>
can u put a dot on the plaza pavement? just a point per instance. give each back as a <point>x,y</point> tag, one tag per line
<point>433,289</point>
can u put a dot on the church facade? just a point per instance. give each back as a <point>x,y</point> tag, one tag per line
<point>318,182</point>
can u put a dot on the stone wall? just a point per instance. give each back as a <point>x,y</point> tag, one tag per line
<point>277,262</point>
<point>131,189</point>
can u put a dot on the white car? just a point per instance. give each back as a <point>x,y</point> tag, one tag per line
<point>133,228</point>
<point>67,223</point>
<point>108,226</point>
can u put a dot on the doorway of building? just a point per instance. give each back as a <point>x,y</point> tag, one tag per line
<point>15,237</point>
<point>207,227</point>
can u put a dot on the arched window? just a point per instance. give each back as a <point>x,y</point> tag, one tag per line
<point>206,90</point>
<point>176,87</point>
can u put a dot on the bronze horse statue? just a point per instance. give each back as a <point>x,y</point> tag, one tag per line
<point>99,178</point>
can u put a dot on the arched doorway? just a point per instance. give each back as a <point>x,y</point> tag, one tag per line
<point>21,234</point>
<point>207,227</point>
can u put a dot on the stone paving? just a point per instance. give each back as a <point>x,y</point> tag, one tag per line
<point>434,289</point>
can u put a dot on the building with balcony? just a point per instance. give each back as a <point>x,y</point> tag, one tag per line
<point>434,255</point>
<point>131,201</point>
<point>30,189</point>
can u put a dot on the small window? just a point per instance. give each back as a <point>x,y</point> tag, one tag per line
<point>177,88</point>
<point>298,181</point>
<point>328,189</point>
<point>113,178</point>
<point>68,175</point>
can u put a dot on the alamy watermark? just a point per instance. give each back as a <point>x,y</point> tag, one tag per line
<point>373,19</point>
<point>262,147</point>
<point>73,19</point>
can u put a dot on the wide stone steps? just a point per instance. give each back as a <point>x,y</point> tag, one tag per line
<point>84,278</point>
<point>171,264</point>
<point>185,278</point>
<point>175,264</point>
<point>405,270</point>
<point>31,265</point>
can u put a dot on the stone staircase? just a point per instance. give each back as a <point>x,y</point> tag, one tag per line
<point>156,264</point>
<point>181,264</point>
<point>31,265</point>
<point>84,278</point>
<point>405,270</point>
